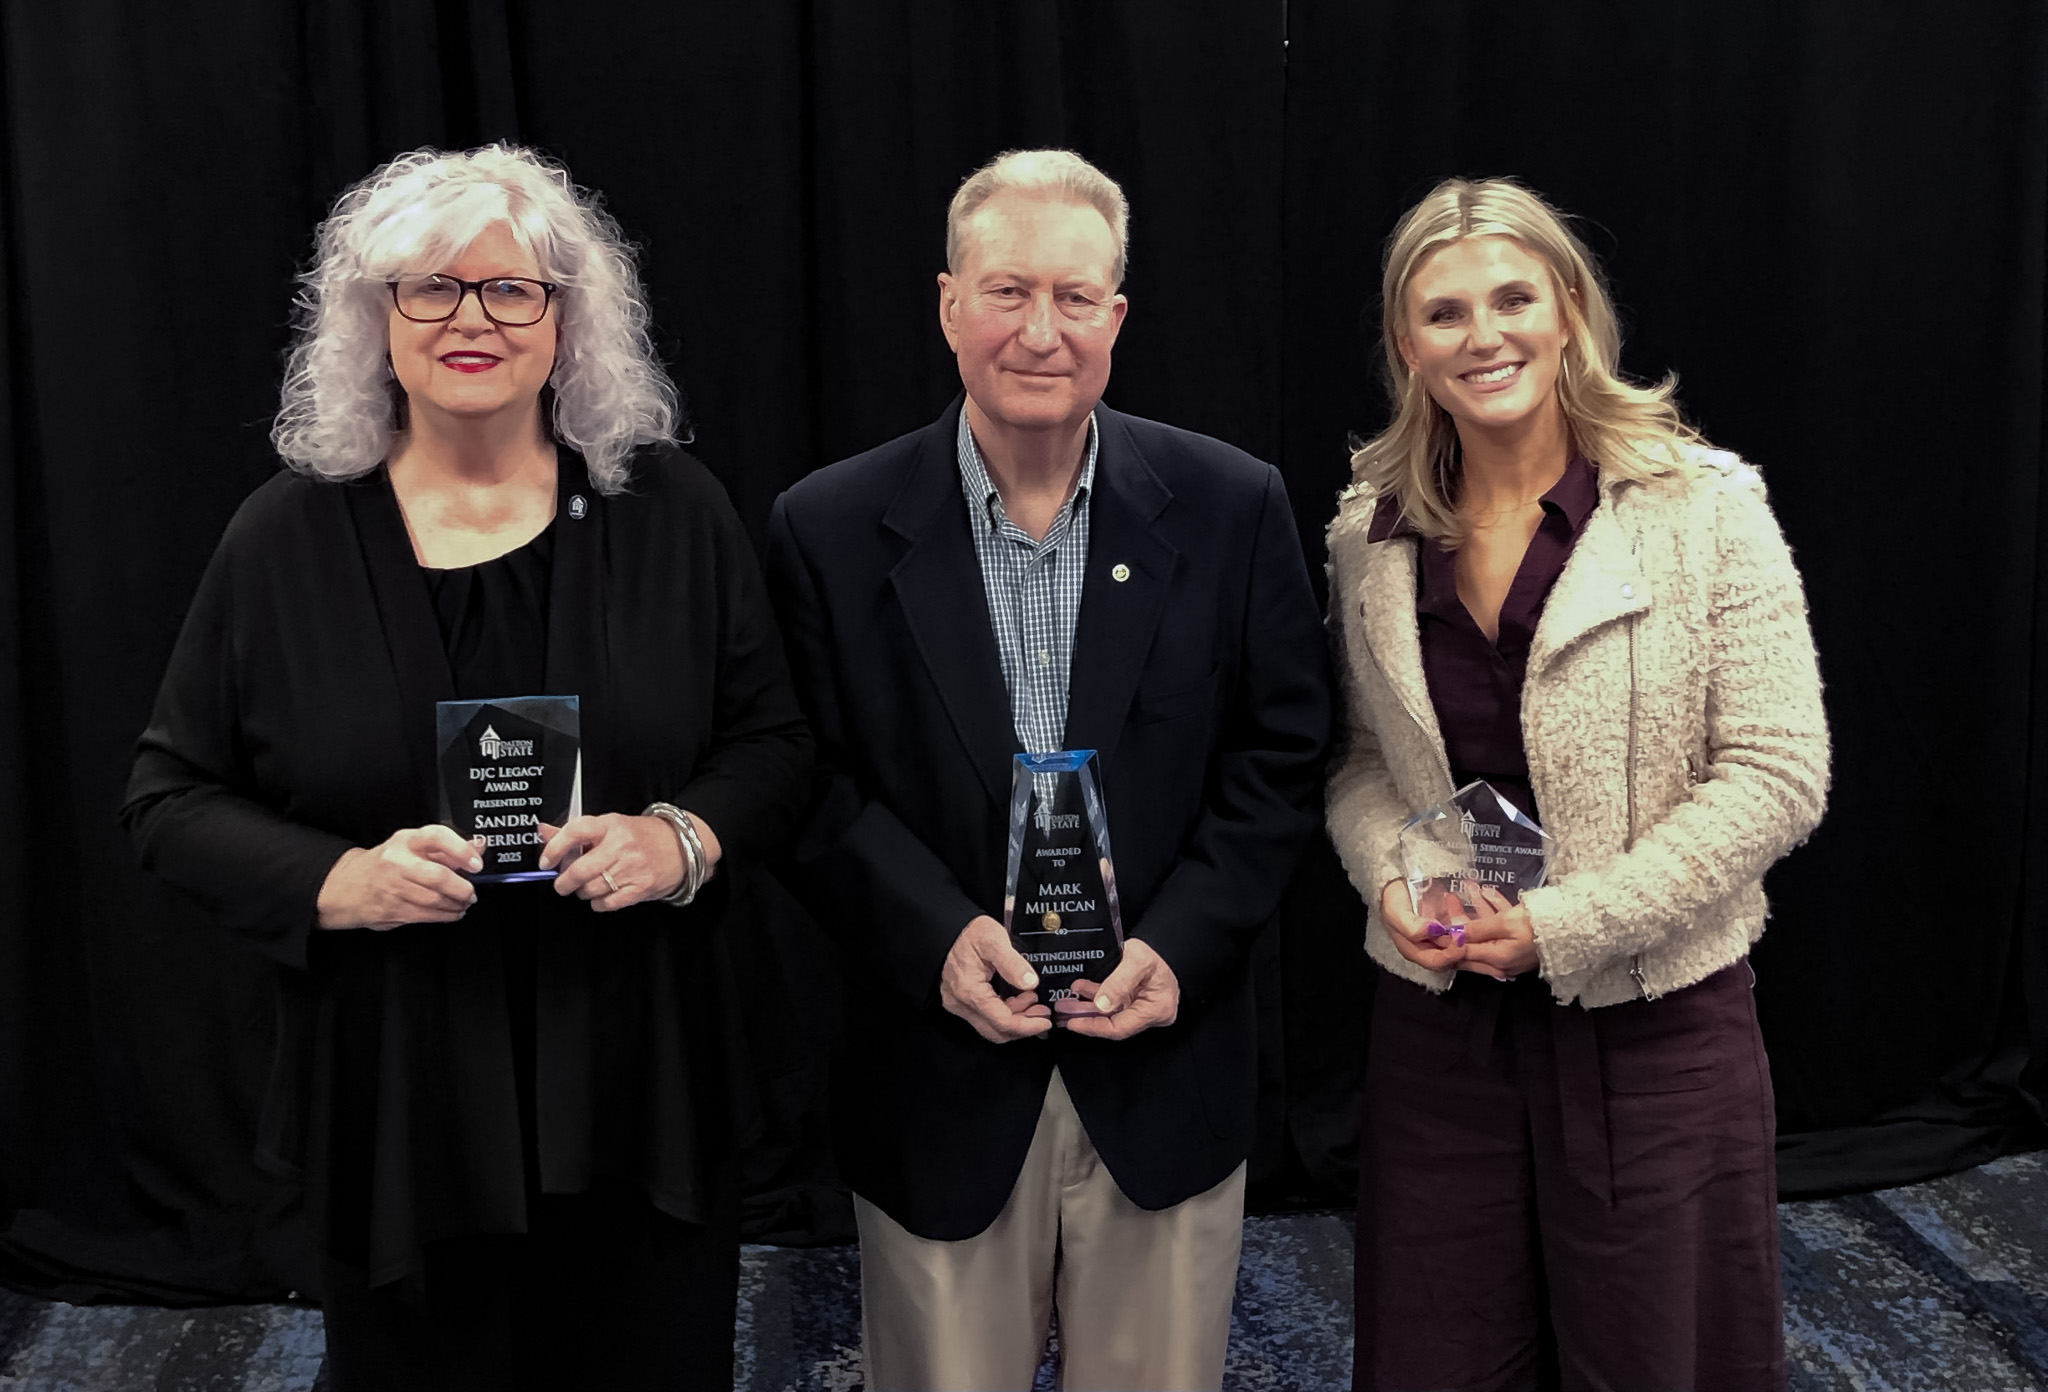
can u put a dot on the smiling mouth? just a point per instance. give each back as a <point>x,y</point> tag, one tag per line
<point>1492,376</point>
<point>470,362</point>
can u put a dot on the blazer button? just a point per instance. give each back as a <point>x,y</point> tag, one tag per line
<point>1119,572</point>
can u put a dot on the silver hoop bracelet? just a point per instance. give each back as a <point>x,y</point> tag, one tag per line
<point>696,866</point>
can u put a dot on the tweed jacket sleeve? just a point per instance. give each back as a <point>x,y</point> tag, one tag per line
<point>1363,802</point>
<point>1763,775</point>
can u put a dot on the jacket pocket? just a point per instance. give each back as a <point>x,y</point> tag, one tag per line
<point>1679,1042</point>
<point>1627,1072</point>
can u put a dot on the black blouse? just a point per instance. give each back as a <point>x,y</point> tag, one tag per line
<point>494,620</point>
<point>1475,682</point>
<point>494,628</point>
<point>296,720</point>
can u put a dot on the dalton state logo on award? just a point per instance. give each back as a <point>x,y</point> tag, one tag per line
<point>507,765</point>
<point>490,746</point>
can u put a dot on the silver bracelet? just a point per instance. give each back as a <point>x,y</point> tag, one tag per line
<point>696,868</point>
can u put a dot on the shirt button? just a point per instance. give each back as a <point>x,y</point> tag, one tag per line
<point>1628,591</point>
<point>1045,657</point>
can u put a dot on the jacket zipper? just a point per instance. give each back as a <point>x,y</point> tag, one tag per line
<point>1628,773</point>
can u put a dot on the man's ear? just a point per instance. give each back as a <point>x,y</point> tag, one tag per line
<point>949,303</point>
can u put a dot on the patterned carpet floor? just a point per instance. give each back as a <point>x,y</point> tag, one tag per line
<point>1941,1285</point>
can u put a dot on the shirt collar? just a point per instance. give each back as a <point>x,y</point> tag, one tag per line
<point>1573,497</point>
<point>982,489</point>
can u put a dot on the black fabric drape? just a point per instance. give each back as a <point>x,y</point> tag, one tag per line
<point>1828,218</point>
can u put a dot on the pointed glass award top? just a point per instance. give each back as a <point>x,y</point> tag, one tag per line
<point>1059,761</point>
<point>1476,839</point>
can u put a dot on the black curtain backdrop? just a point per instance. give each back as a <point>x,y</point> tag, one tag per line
<point>1832,220</point>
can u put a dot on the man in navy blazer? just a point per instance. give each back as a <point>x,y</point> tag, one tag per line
<point>1037,571</point>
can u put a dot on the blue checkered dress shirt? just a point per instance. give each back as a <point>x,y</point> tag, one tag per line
<point>1034,593</point>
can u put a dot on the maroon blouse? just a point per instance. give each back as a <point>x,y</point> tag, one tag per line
<point>1476,683</point>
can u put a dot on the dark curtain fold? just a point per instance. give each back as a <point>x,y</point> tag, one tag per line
<point>1828,219</point>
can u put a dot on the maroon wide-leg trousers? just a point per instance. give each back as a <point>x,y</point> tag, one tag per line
<point>1551,1197</point>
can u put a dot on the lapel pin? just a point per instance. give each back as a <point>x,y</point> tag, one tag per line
<point>577,507</point>
<point>1119,572</point>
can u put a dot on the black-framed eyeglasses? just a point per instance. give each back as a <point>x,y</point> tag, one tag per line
<point>509,301</point>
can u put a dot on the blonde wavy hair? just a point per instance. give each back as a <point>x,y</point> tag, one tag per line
<point>1628,430</point>
<point>341,402</point>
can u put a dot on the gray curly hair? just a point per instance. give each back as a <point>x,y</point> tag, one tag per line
<point>414,215</point>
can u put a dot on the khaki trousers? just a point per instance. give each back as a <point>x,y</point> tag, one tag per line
<point>1144,1298</point>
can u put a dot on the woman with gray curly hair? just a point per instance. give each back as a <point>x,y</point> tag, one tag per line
<point>514,1121</point>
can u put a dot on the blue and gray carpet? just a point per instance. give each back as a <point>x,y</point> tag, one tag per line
<point>1941,1285</point>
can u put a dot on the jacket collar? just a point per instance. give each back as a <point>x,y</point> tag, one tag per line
<point>939,585</point>
<point>1131,565</point>
<point>1603,577</point>
<point>1602,582</point>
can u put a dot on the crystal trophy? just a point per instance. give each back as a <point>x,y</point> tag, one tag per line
<point>1059,901</point>
<point>507,765</point>
<point>1476,840</point>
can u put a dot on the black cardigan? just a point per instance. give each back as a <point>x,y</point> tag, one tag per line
<point>297,720</point>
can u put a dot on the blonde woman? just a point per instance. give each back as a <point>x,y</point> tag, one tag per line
<point>1543,578</point>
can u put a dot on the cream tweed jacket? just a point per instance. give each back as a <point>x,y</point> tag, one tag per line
<point>1671,714</point>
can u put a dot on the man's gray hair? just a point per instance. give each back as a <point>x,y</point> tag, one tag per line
<point>1060,174</point>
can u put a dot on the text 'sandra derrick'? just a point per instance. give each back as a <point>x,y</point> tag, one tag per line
<point>506,766</point>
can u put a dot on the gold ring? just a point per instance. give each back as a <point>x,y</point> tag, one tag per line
<point>609,880</point>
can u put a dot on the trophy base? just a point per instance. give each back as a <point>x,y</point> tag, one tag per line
<point>512,876</point>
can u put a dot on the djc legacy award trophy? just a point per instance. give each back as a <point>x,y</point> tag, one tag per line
<point>1059,902</point>
<point>1478,839</point>
<point>506,766</point>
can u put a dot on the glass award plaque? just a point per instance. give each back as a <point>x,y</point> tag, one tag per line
<point>505,766</point>
<point>1477,839</point>
<point>1059,900</point>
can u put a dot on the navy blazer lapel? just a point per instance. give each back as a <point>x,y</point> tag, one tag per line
<point>1118,615</point>
<point>938,583</point>
<point>412,635</point>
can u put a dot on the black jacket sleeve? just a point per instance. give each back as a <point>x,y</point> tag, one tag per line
<point>855,847</point>
<point>191,805</point>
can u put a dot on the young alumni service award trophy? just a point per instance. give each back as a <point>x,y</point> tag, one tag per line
<point>1059,902</point>
<point>507,765</point>
<point>1477,840</point>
